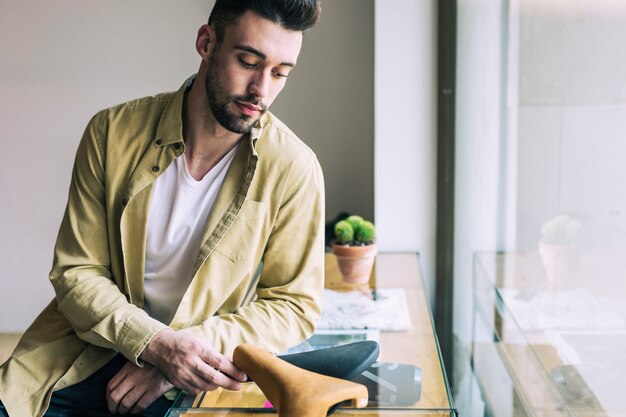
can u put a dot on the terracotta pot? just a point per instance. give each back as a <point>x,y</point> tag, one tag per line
<point>355,262</point>
<point>560,263</point>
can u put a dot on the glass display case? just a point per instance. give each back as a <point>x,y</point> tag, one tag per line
<point>410,377</point>
<point>549,333</point>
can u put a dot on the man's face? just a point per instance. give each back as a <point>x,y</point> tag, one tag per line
<point>247,70</point>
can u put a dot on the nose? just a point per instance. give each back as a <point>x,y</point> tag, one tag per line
<point>260,84</point>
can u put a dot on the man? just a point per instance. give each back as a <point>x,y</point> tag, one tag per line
<point>194,223</point>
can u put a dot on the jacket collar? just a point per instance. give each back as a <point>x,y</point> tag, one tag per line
<point>170,127</point>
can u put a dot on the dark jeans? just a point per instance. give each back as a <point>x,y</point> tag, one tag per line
<point>88,398</point>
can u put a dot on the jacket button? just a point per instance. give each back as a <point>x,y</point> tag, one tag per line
<point>124,202</point>
<point>156,168</point>
<point>158,141</point>
<point>177,146</point>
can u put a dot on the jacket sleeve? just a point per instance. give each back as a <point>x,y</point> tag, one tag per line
<point>288,298</point>
<point>87,294</point>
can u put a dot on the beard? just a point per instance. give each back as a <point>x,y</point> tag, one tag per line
<point>222,105</point>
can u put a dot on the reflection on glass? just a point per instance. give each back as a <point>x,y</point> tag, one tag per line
<point>541,207</point>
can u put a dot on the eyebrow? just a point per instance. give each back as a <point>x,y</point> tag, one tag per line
<point>260,54</point>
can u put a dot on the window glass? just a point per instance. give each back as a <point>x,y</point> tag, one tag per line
<point>540,238</point>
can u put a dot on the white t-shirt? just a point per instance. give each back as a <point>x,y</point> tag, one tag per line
<point>178,213</point>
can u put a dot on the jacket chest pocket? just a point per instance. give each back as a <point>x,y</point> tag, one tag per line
<point>247,235</point>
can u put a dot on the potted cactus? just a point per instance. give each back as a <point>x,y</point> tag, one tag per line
<point>355,249</point>
<point>559,249</point>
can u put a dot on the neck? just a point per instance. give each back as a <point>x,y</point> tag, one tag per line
<point>206,140</point>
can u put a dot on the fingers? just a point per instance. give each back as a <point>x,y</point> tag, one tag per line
<point>224,366</point>
<point>122,401</point>
<point>135,401</point>
<point>191,364</point>
<point>141,404</point>
<point>117,388</point>
<point>133,389</point>
<point>202,377</point>
<point>214,376</point>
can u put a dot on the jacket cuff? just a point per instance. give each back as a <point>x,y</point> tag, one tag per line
<point>135,336</point>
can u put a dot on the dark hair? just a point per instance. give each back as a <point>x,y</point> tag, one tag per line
<point>296,15</point>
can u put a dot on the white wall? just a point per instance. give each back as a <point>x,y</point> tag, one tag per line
<point>329,103</point>
<point>405,144</point>
<point>61,62</point>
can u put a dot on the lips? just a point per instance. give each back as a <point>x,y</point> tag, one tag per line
<point>248,109</point>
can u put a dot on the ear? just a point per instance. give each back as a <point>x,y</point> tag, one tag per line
<point>205,41</point>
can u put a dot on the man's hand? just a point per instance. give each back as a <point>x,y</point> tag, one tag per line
<point>190,363</point>
<point>133,389</point>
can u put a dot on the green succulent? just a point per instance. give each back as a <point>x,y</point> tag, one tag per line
<point>366,232</point>
<point>355,221</point>
<point>355,231</point>
<point>344,233</point>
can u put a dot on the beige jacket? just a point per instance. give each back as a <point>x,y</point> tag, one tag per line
<point>258,275</point>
